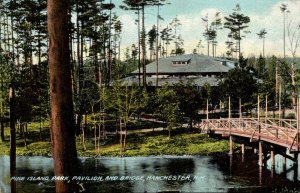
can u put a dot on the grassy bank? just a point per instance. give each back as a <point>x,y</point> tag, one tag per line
<point>182,142</point>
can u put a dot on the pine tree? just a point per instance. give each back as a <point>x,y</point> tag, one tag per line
<point>236,23</point>
<point>140,5</point>
<point>167,37</point>
<point>151,40</point>
<point>62,126</point>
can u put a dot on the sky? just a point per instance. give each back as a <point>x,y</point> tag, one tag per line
<point>264,14</point>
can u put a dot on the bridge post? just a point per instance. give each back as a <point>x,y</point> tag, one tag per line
<point>272,172</point>
<point>231,144</point>
<point>243,148</point>
<point>230,164</point>
<point>260,154</point>
<point>260,175</point>
<point>296,159</point>
<point>272,158</point>
<point>296,167</point>
<point>296,173</point>
<point>284,163</point>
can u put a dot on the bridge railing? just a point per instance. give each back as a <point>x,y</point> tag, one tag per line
<point>278,131</point>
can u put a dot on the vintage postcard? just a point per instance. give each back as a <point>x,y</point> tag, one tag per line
<point>149,96</point>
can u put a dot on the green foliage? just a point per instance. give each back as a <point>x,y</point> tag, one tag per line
<point>125,100</point>
<point>239,83</point>
<point>37,143</point>
<point>24,37</point>
<point>166,36</point>
<point>189,100</point>
<point>206,91</point>
<point>5,78</point>
<point>31,86</point>
<point>261,68</point>
<point>267,82</point>
<point>88,97</point>
<point>183,142</point>
<point>180,144</point>
<point>167,106</point>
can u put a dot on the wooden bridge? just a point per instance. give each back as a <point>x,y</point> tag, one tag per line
<point>267,133</point>
<point>282,132</point>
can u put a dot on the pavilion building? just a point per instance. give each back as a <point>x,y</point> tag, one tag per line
<point>194,68</point>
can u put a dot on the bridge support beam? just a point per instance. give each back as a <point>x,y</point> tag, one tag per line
<point>260,175</point>
<point>284,163</point>
<point>254,150</point>
<point>272,158</point>
<point>243,148</point>
<point>260,154</point>
<point>231,144</point>
<point>296,159</point>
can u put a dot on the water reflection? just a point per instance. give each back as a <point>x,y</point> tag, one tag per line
<point>245,171</point>
<point>220,173</point>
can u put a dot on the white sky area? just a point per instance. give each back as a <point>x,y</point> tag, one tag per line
<point>264,14</point>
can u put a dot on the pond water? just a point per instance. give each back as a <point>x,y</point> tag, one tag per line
<point>219,173</point>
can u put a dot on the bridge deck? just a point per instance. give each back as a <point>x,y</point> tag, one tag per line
<point>282,132</point>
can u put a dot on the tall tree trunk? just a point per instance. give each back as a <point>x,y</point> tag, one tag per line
<point>109,50</point>
<point>12,37</point>
<point>1,102</point>
<point>144,48</point>
<point>125,136</point>
<point>2,129</point>
<point>139,44</point>
<point>156,50</point>
<point>121,138</point>
<point>62,123</point>
<point>12,137</point>
<point>7,33</point>
<point>239,41</point>
<point>79,68</point>
<point>83,133</point>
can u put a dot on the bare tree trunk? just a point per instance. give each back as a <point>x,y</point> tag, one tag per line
<point>23,133</point>
<point>83,136</point>
<point>26,128</point>
<point>99,137</point>
<point>125,136</point>
<point>121,139</point>
<point>62,123</point>
<point>2,130</point>
<point>104,129</point>
<point>12,138</point>
<point>95,136</point>
<point>156,50</point>
<point>2,96</point>
<point>139,44</point>
<point>144,48</point>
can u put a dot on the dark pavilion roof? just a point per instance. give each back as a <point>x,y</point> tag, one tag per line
<point>193,64</point>
<point>194,68</point>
